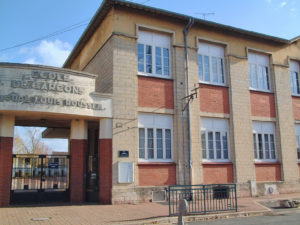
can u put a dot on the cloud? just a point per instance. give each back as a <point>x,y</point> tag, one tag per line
<point>269,1</point>
<point>50,53</point>
<point>282,4</point>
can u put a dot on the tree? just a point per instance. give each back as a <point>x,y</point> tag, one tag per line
<point>30,143</point>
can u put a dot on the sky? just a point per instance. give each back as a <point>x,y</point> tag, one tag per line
<point>52,27</point>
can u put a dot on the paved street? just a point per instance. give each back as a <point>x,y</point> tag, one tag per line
<point>281,219</point>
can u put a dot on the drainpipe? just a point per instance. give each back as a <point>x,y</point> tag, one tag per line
<point>185,31</point>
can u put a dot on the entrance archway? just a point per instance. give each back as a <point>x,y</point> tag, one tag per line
<point>65,102</point>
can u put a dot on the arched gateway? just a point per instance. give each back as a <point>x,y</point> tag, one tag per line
<point>59,99</point>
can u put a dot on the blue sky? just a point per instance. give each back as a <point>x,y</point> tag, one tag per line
<point>26,20</point>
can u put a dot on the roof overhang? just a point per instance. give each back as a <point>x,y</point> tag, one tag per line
<point>107,5</point>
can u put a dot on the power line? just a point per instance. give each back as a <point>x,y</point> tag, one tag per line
<point>66,29</point>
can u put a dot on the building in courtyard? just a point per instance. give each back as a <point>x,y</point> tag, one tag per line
<point>150,98</point>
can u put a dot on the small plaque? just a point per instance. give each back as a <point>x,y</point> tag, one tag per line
<point>123,154</point>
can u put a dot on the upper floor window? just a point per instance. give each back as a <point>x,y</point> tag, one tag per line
<point>264,141</point>
<point>259,72</point>
<point>294,77</point>
<point>215,139</point>
<point>297,128</point>
<point>211,64</point>
<point>154,54</point>
<point>155,138</point>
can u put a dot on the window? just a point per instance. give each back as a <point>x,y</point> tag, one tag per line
<point>264,141</point>
<point>259,72</point>
<point>154,54</point>
<point>155,137</point>
<point>211,64</point>
<point>297,128</point>
<point>294,77</point>
<point>215,139</point>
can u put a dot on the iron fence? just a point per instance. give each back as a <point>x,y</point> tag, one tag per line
<point>203,199</point>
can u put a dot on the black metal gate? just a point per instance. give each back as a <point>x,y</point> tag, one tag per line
<point>203,199</point>
<point>40,178</point>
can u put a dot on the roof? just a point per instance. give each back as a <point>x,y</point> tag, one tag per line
<point>108,4</point>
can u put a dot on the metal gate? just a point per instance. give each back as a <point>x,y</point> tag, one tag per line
<point>40,178</point>
<point>203,199</point>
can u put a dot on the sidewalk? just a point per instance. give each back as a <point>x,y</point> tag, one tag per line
<point>146,213</point>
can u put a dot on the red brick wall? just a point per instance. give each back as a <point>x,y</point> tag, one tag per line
<point>214,99</point>
<point>296,107</point>
<point>217,173</point>
<point>268,171</point>
<point>262,104</point>
<point>155,92</point>
<point>157,174</point>
<point>78,151</point>
<point>105,171</point>
<point>6,148</point>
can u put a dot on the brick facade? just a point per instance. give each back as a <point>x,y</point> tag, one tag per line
<point>78,151</point>
<point>214,99</point>
<point>157,174</point>
<point>217,173</point>
<point>105,171</point>
<point>296,107</point>
<point>262,104</point>
<point>6,148</point>
<point>268,171</point>
<point>155,92</point>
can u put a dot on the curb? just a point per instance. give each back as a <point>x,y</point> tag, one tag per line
<point>195,218</point>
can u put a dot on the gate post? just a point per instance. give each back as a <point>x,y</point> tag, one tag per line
<point>78,151</point>
<point>7,124</point>
<point>105,161</point>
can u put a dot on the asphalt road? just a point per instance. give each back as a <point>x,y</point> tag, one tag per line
<point>281,219</point>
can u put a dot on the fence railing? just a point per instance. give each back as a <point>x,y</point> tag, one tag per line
<point>203,199</point>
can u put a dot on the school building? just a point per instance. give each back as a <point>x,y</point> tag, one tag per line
<point>150,98</point>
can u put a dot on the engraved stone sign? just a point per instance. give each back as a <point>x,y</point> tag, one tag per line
<point>48,89</point>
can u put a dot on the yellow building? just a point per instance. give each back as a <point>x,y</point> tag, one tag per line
<point>192,102</point>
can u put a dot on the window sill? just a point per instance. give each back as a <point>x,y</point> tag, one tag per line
<point>217,163</point>
<point>154,76</point>
<point>267,163</point>
<point>212,84</point>
<point>295,95</point>
<point>264,91</point>
<point>156,163</point>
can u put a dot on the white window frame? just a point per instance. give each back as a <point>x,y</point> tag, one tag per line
<point>211,51</point>
<point>154,39</point>
<point>215,125</point>
<point>264,128</point>
<point>259,62</point>
<point>155,122</point>
<point>295,77</point>
<point>297,129</point>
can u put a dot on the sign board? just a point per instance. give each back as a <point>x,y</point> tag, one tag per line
<point>47,89</point>
<point>53,165</point>
<point>123,154</point>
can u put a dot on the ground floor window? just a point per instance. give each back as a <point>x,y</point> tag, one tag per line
<point>215,139</point>
<point>264,141</point>
<point>155,137</point>
<point>297,128</point>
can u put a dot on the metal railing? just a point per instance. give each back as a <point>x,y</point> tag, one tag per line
<point>203,199</point>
